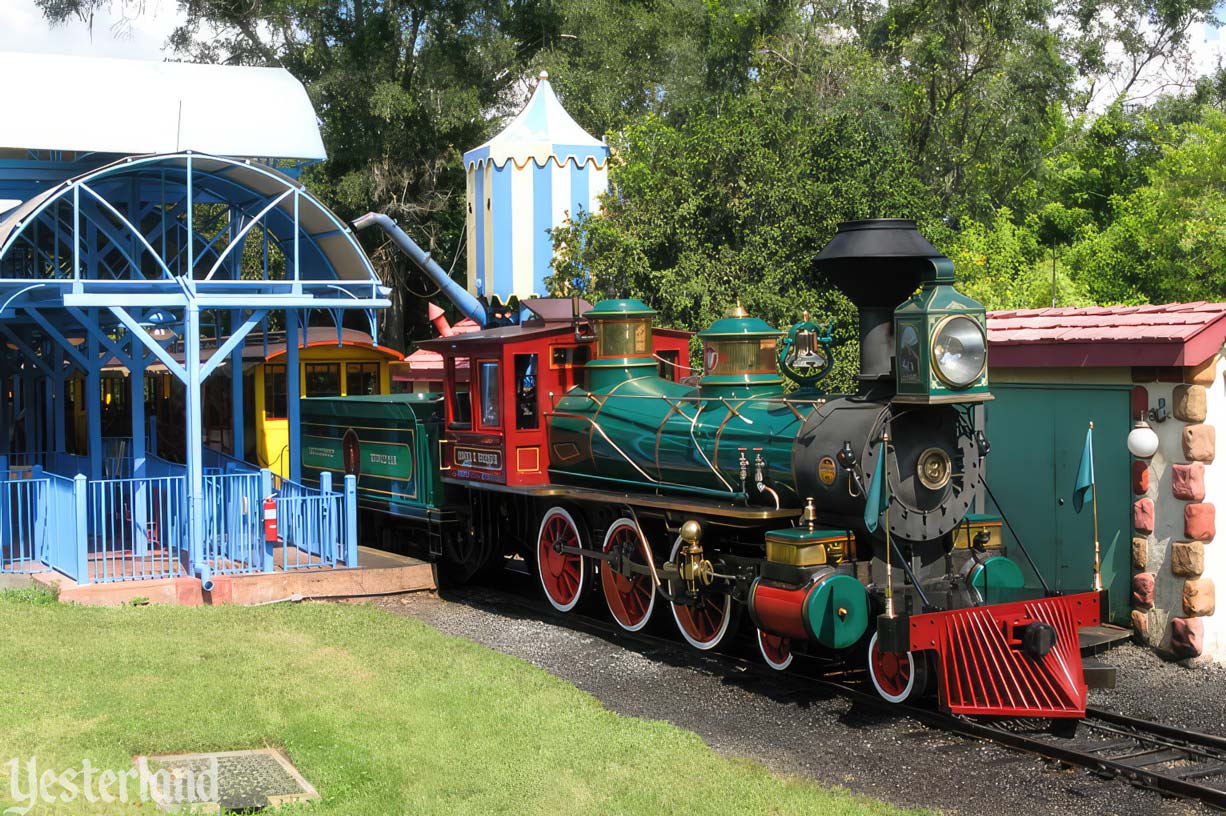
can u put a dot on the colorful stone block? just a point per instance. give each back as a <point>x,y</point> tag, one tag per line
<point>1191,403</point>
<point>1199,443</point>
<point>1188,481</point>
<point>1143,590</point>
<point>1187,637</point>
<point>1143,515</point>
<point>1199,521</point>
<point>1140,552</point>
<point>1140,477</point>
<point>1140,622</point>
<point>1199,597</point>
<point>1188,558</point>
<point>1203,374</point>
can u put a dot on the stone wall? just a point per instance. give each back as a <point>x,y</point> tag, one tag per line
<point>1176,494</point>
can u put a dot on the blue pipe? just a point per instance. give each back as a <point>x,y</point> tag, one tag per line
<point>457,294</point>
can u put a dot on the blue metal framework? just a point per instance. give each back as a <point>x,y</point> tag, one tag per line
<point>120,263</point>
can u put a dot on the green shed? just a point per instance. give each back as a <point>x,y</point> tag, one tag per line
<point>1053,371</point>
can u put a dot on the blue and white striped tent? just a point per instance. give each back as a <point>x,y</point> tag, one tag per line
<point>539,171</point>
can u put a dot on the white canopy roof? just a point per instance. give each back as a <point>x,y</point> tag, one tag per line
<point>543,130</point>
<point>88,104</point>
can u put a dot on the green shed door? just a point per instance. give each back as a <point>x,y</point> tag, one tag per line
<point>1037,434</point>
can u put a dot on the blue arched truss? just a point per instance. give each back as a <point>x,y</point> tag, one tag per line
<point>130,262</point>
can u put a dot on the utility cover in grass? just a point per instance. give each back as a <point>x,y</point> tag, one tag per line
<point>240,781</point>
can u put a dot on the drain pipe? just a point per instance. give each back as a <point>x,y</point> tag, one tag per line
<point>457,294</point>
<point>205,574</point>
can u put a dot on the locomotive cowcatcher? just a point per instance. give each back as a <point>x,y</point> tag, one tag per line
<point>841,524</point>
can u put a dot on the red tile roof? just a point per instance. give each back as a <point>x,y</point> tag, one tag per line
<point>1170,334</point>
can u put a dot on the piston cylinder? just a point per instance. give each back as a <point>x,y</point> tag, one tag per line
<point>832,609</point>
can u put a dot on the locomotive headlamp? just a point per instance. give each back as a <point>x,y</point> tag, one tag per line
<point>959,351</point>
<point>940,342</point>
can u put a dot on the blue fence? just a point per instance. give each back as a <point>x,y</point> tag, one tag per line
<point>128,529</point>
<point>136,528</point>
<point>234,523</point>
<point>24,524</point>
<point>66,550</point>
<point>317,528</point>
<point>219,462</point>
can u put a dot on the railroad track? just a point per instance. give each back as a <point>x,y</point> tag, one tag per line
<point>1163,758</point>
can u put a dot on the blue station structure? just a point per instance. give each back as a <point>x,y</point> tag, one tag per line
<point>127,240</point>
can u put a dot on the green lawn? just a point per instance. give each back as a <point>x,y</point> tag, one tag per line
<point>384,715</point>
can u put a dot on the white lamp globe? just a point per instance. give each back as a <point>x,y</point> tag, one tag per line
<point>1142,441</point>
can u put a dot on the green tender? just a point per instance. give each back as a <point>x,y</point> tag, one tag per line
<point>397,438</point>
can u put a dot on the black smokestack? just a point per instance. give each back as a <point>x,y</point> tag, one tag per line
<point>878,263</point>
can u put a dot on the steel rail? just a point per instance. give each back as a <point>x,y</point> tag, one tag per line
<point>1195,746</point>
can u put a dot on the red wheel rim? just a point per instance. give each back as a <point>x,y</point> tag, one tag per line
<point>705,623</point>
<point>561,573</point>
<point>630,597</point>
<point>776,650</point>
<point>892,672</point>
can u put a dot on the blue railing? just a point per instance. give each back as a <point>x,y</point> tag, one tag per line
<point>136,528</point>
<point>317,528</point>
<point>127,529</point>
<point>66,501</point>
<point>23,524</point>
<point>234,523</point>
<point>221,462</point>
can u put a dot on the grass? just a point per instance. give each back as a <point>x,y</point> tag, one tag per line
<point>383,715</point>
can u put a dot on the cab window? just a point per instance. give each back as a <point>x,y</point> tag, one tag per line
<point>459,398</point>
<point>527,417</point>
<point>490,385</point>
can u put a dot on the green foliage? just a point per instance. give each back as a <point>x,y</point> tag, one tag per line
<point>1167,238</point>
<point>735,203</point>
<point>743,130</point>
<point>1007,266</point>
<point>31,596</point>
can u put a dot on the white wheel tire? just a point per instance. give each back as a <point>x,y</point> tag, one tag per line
<point>723,629</point>
<point>769,660</point>
<point>651,605</point>
<point>911,675</point>
<point>540,574</point>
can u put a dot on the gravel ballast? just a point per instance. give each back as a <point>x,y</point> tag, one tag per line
<point>814,735</point>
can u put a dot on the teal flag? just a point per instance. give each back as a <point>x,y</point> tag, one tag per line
<point>878,498</point>
<point>1085,473</point>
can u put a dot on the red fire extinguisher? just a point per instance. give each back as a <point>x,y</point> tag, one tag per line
<point>270,519</point>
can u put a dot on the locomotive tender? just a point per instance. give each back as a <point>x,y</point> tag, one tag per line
<point>579,445</point>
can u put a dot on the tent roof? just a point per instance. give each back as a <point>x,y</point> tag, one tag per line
<point>89,104</point>
<point>542,131</point>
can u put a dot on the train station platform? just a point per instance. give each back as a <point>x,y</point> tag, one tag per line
<point>377,573</point>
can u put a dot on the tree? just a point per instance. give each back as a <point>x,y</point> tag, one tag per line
<point>983,81</point>
<point>1167,240</point>
<point>401,88</point>
<point>735,202</point>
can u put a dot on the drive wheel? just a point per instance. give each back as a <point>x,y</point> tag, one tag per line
<point>562,574</point>
<point>630,597</point>
<point>897,676</point>
<point>703,624</point>
<point>776,650</point>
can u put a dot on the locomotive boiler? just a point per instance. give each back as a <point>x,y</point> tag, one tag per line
<point>844,526</point>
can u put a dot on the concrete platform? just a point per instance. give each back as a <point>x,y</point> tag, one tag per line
<point>16,580</point>
<point>377,573</point>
